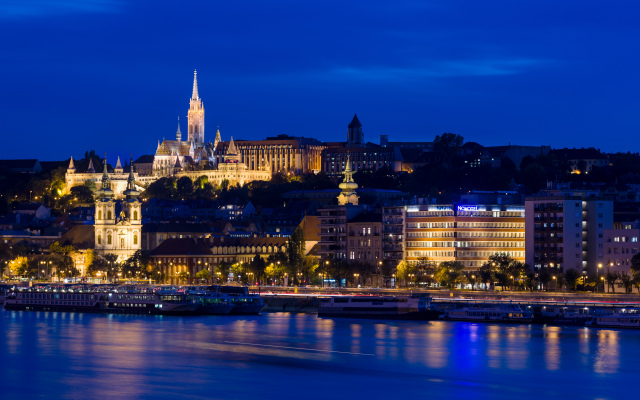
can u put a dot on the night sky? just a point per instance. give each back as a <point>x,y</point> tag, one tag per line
<point>113,76</point>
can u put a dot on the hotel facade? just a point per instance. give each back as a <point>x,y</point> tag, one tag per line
<point>465,233</point>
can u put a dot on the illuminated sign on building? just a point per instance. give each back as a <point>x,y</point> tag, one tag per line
<point>467,208</point>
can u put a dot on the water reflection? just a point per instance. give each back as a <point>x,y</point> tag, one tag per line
<point>608,354</point>
<point>552,347</point>
<point>282,355</point>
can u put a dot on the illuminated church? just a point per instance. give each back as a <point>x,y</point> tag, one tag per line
<point>173,156</point>
<point>118,224</point>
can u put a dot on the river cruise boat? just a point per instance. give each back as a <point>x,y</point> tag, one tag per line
<point>147,301</point>
<point>56,298</point>
<point>83,298</point>
<point>512,313</point>
<point>243,302</point>
<point>210,303</point>
<point>616,320</point>
<point>382,307</point>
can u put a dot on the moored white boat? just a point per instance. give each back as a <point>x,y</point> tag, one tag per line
<point>383,307</point>
<point>488,313</point>
<point>616,320</point>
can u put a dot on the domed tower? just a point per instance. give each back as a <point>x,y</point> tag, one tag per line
<point>348,187</point>
<point>131,222</point>
<point>105,214</point>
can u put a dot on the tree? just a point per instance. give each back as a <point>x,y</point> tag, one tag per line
<point>405,271</point>
<point>82,194</point>
<point>635,264</point>
<point>183,276</point>
<point>309,268</point>
<point>486,274</point>
<point>295,251</point>
<point>449,144</point>
<point>451,273</point>
<point>627,281</point>
<point>611,277</point>
<point>257,267</point>
<point>203,275</point>
<point>544,277</point>
<point>571,276</point>
<point>184,187</point>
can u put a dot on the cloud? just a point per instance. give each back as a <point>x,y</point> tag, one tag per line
<point>11,9</point>
<point>440,69</point>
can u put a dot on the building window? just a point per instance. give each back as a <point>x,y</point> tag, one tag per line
<point>100,214</point>
<point>99,239</point>
<point>109,239</point>
<point>135,238</point>
<point>135,215</point>
<point>109,214</point>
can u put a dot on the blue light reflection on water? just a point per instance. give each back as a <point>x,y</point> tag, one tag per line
<point>282,355</point>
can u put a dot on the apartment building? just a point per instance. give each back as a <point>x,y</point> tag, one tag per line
<point>566,231</point>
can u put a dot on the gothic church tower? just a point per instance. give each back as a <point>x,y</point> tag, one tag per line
<point>195,116</point>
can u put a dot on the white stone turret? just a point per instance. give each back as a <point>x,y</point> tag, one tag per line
<point>72,167</point>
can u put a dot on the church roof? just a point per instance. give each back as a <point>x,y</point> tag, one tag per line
<point>355,123</point>
<point>173,147</point>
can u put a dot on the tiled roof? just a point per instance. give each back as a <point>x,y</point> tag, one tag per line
<point>178,227</point>
<point>146,159</point>
<point>249,241</point>
<point>182,247</point>
<point>80,236</point>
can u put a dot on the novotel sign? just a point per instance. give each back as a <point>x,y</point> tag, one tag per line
<point>467,208</point>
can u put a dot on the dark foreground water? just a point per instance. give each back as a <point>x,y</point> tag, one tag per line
<point>295,356</point>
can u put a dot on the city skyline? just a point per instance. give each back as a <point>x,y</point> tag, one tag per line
<point>114,77</point>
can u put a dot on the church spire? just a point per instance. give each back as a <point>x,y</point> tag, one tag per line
<point>131,191</point>
<point>105,189</point>
<point>178,133</point>
<point>91,168</point>
<point>194,95</point>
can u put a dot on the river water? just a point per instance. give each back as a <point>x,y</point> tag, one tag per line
<point>297,356</point>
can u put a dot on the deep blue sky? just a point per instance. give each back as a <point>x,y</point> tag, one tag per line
<point>114,76</point>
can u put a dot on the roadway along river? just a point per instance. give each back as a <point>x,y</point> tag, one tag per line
<point>297,356</point>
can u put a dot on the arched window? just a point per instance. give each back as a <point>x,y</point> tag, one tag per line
<point>109,214</point>
<point>99,239</point>
<point>122,243</point>
<point>135,215</point>
<point>100,214</point>
<point>135,238</point>
<point>109,238</point>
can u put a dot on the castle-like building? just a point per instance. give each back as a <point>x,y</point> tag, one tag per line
<point>118,224</point>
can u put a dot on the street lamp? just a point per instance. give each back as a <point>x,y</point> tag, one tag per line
<point>323,271</point>
<point>356,278</point>
<point>598,281</point>
<point>555,284</point>
<point>513,280</point>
